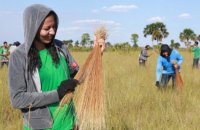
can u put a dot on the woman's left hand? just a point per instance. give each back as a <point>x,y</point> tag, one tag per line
<point>176,66</point>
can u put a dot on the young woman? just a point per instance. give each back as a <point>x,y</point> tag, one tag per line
<point>41,71</point>
<point>168,61</point>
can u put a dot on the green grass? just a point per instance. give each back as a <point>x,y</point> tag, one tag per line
<point>132,100</point>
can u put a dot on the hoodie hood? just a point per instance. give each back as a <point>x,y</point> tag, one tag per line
<point>165,48</point>
<point>33,17</point>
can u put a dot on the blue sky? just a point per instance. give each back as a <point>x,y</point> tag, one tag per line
<point>121,17</point>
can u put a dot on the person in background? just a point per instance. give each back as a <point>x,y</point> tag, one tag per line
<point>144,55</point>
<point>4,53</point>
<point>196,51</point>
<point>14,46</point>
<point>41,72</point>
<point>168,61</point>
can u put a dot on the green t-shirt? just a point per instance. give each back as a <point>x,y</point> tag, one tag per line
<point>3,50</point>
<point>51,76</point>
<point>196,52</point>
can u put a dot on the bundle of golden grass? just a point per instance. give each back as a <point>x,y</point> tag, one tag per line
<point>101,34</point>
<point>89,95</point>
<point>179,81</point>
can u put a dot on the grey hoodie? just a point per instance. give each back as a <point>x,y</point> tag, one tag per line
<point>25,89</point>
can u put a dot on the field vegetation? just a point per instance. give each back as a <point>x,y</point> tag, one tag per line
<point>132,100</point>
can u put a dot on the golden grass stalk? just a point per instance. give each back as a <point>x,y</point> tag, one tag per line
<point>179,81</point>
<point>89,95</point>
<point>101,33</point>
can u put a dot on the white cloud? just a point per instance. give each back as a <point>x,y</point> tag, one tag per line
<point>97,22</point>
<point>69,29</point>
<point>156,19</point>
<point>119,8</point>
<point>185,16</point>
<point>89,25</point>
<point>116,8</point>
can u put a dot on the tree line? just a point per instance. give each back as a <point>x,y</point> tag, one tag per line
<point>157,31</point>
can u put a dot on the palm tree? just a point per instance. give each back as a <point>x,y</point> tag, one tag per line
<point>172,43</point>
<point>157,31</point>
<point>134,39</point>
<point>85,39</point>
<point>177,45</point>
<point>187,36</point>
<point>157,35</point>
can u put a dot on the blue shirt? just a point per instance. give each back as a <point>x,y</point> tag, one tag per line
<point>165,66</point>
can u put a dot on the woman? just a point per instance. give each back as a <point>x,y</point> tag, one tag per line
<point>168,61</point>
<point>41,71</point>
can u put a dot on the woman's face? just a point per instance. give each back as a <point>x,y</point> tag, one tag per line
<point>47,30</point>
<point>166,54</point>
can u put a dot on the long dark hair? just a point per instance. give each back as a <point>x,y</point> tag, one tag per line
<point>34,60</point>
<point>165,48</point>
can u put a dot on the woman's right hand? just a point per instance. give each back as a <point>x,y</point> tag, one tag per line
<point>66,86</point>
<point>100,42</point>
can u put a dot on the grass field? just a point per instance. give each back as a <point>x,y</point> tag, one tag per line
<point>132,100</point>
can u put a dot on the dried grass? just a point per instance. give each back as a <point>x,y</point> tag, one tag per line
<point>179,81</point>
<point>101,33</point>
<point>89,95</point>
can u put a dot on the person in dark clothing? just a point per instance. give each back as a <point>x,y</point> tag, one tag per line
<point>168,60</point>
<point>14,46</point>
<point>143,55</point>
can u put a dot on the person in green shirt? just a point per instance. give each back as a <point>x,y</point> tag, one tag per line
<point>41,72</point>
<point>196,51</point>
<point>4,53</point>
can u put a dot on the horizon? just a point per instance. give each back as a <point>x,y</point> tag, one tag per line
<point>122,18</point>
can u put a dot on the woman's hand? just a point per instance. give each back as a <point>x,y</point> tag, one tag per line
<point>176,66</point>
<point>100,42</point>
<point>66,86</point>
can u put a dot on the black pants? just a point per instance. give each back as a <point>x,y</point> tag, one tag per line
<point>196,63</point>
<point>165,80</point>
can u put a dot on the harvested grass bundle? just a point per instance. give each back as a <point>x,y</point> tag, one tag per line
<point>101,33</point>
<point>179,81</point>
<point>89,95</point>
